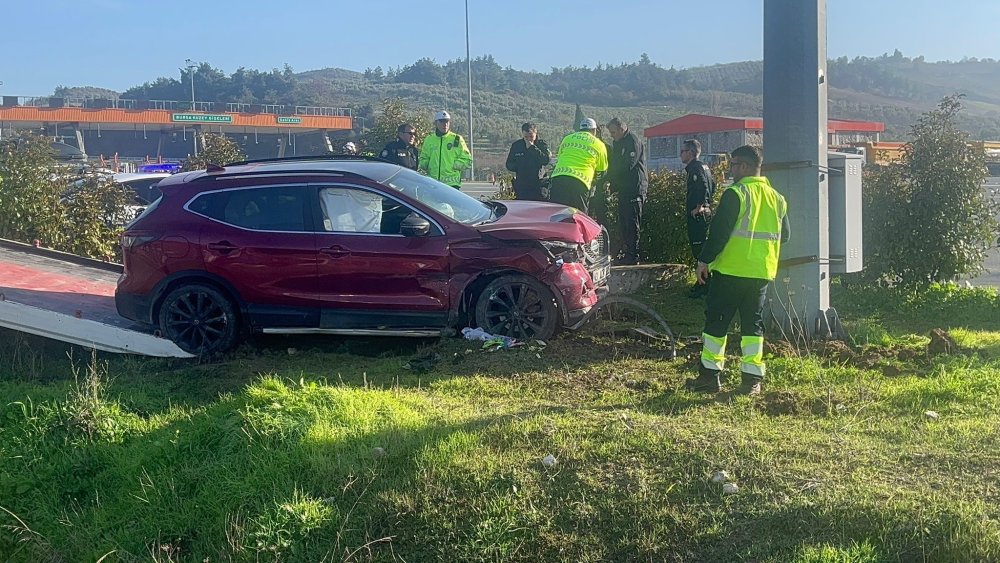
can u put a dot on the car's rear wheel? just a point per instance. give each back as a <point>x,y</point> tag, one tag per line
<point>200,319</point>
<point>517,306</point>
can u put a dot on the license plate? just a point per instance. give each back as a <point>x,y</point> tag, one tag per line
<point>600,274</point>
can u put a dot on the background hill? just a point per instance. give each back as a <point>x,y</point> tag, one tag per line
<point>892,88</point>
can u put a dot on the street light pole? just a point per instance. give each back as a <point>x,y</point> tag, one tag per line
<point>191,67</point>
<point>468,62</point>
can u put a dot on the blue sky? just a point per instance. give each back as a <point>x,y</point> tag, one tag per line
<point>121,43</point>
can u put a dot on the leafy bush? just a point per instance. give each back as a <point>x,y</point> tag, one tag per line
<point>927,218</point>
<point>663,238</point>
<point>30,191</point>
<point>96,212</point>
<point>53,203</point>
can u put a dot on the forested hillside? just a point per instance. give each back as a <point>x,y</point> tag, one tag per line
<point>890,88</point>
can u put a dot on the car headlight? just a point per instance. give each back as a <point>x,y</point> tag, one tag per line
<point>567,251</point>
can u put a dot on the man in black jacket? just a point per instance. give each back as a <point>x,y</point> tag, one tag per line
<point>628,177</point>
<point>700,186</point>
<point>526,158</point>
<point>401,151</point>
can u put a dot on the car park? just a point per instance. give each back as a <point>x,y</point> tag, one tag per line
<point>350,245</point>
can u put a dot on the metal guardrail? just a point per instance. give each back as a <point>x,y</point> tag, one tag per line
<point>172,105</point>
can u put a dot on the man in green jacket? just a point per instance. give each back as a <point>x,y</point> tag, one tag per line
<point>444,154</point>
<point>741,255</point>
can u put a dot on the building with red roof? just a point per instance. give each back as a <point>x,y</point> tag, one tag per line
<point>719,134</point>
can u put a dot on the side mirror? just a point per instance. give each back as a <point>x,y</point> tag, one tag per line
<point>414,226</point>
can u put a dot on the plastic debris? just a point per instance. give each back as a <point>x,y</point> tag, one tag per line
<point>549,460</point>
<point>932,415</point>
<point>720,477</point>
<point>491,342</point>
<point>730,488</point>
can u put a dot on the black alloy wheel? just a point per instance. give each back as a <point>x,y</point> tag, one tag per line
<point>200,319</point>
<point>517,306</point>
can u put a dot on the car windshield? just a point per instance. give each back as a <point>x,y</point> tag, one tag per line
<point>440,197</point>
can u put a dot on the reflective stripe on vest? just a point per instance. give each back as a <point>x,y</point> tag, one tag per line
<point>754,246</point>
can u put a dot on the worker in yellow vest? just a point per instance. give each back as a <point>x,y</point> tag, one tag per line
<point>741,256</point>
<point>581,155</point>
<point>444,154</point>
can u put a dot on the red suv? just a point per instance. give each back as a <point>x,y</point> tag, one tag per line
<point>351,246</point>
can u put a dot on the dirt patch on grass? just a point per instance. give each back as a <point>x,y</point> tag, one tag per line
<point>780,403</point>
<point>941,343</point>
<point>780,348</point>
<point>776,403</point>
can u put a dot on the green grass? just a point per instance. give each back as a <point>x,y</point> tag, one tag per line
<point>333,450</point>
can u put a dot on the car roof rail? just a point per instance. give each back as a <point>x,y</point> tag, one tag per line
<point>308,158</point>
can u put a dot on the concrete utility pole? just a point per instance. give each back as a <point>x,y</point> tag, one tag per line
<point>795,160</point>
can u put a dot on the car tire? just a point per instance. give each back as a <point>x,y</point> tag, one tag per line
<point>517,306</point>
<point>200,319</point>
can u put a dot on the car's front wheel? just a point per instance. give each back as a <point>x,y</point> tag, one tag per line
<point>517,306</point>
<point>200,319</point>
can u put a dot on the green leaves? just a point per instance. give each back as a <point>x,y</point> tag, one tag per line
<point>928,218</point>
<point>218,149</point>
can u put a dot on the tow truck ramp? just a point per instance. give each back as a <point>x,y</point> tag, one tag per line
<point>70,298</point>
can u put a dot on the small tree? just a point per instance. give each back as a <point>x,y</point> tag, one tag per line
<point>383,130</point>
<point>928,218</point>
<point>219,149</point>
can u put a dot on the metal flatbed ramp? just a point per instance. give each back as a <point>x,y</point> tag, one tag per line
<point>71,299</point>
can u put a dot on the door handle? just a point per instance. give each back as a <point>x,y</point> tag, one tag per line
<point>224,247</point>
<point>335,251</point>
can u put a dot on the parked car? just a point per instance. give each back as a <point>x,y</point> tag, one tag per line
<point>351,246</point>
<point>142,184</point>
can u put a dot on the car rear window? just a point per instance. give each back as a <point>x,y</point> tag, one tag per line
<point>261,209</point>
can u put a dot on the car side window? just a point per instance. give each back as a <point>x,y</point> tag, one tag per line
<point>278,208</point>
<point>353,210</point>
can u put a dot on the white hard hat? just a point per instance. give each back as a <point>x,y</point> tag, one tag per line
<point>442,115</point>
<point>588,124</point>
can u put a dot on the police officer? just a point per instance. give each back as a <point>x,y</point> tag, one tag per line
<point>629,179</point>
<point>581,155</point>
<point>444,154</point>
<point>525,159</point>
<point>402,151</point>
<point>741,254</point>
<point>700,186</point>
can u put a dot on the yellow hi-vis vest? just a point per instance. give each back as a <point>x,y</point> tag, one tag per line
<point>754,246</point>
<point>581,154</point>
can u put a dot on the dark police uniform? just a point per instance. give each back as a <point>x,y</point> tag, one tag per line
<point>629,179</point>
<point>700,186</point>
<point>525,162</point>
<point>401,153</point>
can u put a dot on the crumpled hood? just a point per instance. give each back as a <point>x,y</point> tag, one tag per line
<point>530,220</point>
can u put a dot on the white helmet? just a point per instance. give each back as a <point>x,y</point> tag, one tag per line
<point>442,115</point>
<point>588,124</point>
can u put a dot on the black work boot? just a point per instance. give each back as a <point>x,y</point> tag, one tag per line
<point>749,386</point>
<point>706,382</point>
